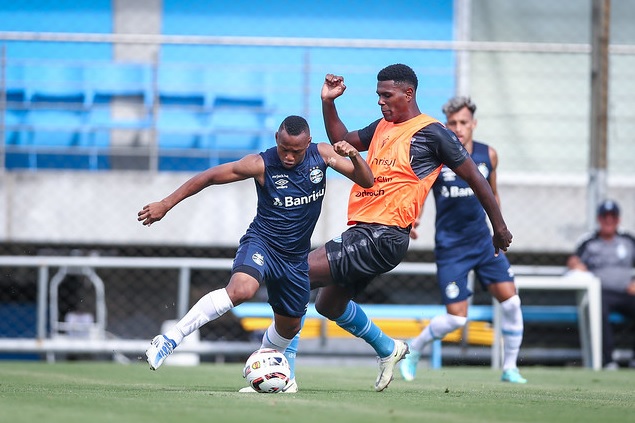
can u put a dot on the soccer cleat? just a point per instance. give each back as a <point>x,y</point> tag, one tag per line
<point>387,365</point>
<point>291,388</point>
<point>408,365</point>
<point>513,376</point>
<point>160,348</point>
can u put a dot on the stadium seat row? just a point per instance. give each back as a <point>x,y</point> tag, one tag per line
<point>54,108</point>
<point>99,82</point>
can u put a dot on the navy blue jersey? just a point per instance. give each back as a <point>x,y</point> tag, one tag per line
<point>460,217</point>
<point>289,203</point>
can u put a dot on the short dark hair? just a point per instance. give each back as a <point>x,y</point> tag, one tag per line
<point>455,104</point>
<point>399,73</point>
<point>295,125</point>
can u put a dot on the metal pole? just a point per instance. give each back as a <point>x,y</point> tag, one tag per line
<point>306,73</point>
<point>183,299</point>
<point>600,29</point>
<point>42,281</point>
<point>463,14</point>
<point>3,106</point>
<point>154,138</point>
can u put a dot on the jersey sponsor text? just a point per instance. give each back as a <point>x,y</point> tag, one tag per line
<point>297,201</point>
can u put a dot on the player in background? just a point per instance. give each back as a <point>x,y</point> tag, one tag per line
<point>406,150</point>
<point>463,243</point>
<point>290,181</point>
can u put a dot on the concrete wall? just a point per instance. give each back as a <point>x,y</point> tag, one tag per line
<point>101,208</point>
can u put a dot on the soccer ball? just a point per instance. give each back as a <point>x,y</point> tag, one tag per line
<point>267,371</point>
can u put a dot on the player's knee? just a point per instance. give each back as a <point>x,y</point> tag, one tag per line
<point>239,293</point>
<point>456,322</point>
<point>322,308</point>
<point>443,324</point>
<point>287,329</point>
<point>511,304</point>
<point>328,309</point>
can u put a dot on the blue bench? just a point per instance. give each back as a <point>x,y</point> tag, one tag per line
<point>531,314</point>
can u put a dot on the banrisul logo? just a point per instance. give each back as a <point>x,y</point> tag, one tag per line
<point>316,175</point>
<point>306,199</point>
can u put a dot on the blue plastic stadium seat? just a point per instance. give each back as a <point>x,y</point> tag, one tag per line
<point>181,128</point>
<point>232,82</point>
<point>54,82</point>
<point>238,127</point>
<point>107,80</point>
<point>16,156</point>
<point>13,126</point>
<point>100,122</point>
<point>15,86</point>
<point>186,85</point>
<point>181,133</point>
<point>54,127</point>
<point>50,133</point>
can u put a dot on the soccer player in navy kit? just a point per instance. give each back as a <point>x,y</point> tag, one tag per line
<point>290,181</point>
<point>463,243</point>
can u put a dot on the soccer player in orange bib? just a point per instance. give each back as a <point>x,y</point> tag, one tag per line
<point>406,151</point>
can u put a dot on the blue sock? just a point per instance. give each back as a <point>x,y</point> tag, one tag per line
<point>292,349</point>
<point>355,321</point>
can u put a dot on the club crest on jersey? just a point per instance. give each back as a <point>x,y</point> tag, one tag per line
<point>452,291</point>
<point>316,175</point>
<point>258,259</point>
<point>482,167</point>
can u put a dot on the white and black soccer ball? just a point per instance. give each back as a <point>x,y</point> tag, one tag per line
<point>267,371</point>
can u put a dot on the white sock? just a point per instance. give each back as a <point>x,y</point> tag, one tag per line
<point>439,327</point>
<point>272,339</point>
<point>211,306</point>
<point>512,328</point>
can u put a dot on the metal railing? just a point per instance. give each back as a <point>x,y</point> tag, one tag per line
<point>48,343</point>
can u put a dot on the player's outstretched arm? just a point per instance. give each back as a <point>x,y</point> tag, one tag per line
<point>502,237</point>
<point>250,166</point>
<point>335,129</point>
<point>355,167</point>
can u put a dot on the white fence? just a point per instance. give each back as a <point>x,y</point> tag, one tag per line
<point>50,339</point>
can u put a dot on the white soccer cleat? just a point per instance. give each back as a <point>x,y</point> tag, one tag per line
<point>160,348</point>
<point>387,365</point>
<point>290,388</point>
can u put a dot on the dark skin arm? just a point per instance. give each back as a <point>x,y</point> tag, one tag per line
<point>354,168</point>
<point>502,237</point>
<point>335,129</point>
<point>251,166</point>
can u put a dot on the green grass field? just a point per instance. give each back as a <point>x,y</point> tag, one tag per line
<point>93,392</point>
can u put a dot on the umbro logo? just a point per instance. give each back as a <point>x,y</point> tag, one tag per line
<point>281,183</point>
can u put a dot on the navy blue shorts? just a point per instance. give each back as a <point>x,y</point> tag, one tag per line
<point>287,281</point>
<point>454,265</point>
<point>365,251</point>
